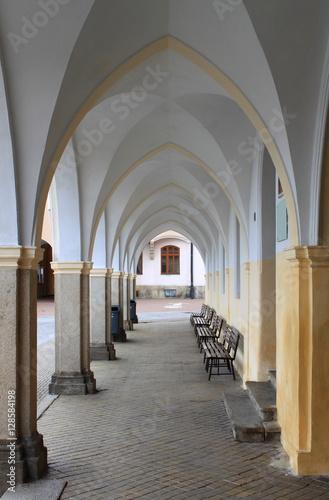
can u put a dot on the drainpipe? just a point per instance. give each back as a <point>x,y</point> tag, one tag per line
<point>192,284</point>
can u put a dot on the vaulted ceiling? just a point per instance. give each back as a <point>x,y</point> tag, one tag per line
<point>154,115</point>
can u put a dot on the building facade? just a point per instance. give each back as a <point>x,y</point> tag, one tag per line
<point>143,116</point>
<point>170,266</point>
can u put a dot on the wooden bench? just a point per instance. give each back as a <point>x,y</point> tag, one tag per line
<point>222,353</point>
<point>208,333</point>
<point>198,314</point>
<point>205,321</point>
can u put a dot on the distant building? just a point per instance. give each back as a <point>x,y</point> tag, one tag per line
<point>170,266</point>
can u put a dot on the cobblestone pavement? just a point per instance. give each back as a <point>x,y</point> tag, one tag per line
<point>147,309</point>
<point>157,429</point>
<point>46,360</point>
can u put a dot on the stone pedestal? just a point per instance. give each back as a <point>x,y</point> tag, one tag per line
<point>117,299</point>
<point>72,321</point>
<point>20,442</point>
<point>101,346</point>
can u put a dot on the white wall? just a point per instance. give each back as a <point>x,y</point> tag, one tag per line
<point>152,268</point>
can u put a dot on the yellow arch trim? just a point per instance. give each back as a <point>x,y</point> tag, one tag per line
<point>199,60</point>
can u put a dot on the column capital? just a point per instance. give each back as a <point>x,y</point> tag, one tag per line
<point>9,256</point>
<point>314,256</point>
<point>30,257</point>
<point>115,274</point>
<point>71,267</point>
<point>99,272</point>
<point>246,267</point>
<point>14,257</point>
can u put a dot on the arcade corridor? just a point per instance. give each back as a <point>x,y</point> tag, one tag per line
<point>157,429</point>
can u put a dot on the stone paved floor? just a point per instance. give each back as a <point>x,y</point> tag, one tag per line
<point>157,429</point>
<point>147,309</point>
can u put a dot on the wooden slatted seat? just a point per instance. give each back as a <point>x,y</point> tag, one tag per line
<point>205,321</point>
<point>207,333</point>
<point>198,314</point>
<point>222,354</point>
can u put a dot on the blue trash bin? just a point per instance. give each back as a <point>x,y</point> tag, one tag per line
<point>133,310</point>
<point>115,317</point>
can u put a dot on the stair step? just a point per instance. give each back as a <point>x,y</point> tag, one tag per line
<point>263,396</point>
<point>246,424</point>
<point>272,375</point>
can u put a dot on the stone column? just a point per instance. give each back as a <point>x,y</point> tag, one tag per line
<point>132,287</point>
<point>117,299</point>
<point>72,321</point>
<point>20,441</point>
<point>101,346</point>
<point>127,325</point>
<point>108,315</point>
<point>303,356</point>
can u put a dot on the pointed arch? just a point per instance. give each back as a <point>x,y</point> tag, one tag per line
<point>169,42</point>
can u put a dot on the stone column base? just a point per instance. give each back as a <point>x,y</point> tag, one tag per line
<point>99,352</point>
<point>35,456</point>
<point>102,352</point>
<point>11,450</point>
<point>128,324</point>
<point>112,352</point>
<point>120,337</point>
<point>75,383</point>
<point>29,459</point>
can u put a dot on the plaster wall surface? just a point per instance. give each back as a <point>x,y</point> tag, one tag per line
<point>152,267</point>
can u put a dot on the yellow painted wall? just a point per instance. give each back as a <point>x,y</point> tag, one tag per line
<point>262,321</point>
<point>303,357</point>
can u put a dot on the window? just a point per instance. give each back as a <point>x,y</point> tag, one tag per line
<point>41,274</point>
<point>170,260</point>
<point>139,269</point>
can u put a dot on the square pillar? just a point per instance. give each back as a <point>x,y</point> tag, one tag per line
<point>132,296</point>
<point>128,324</point>
<point>259,320</point>
<point>101,346</point>
<point>72,325</point>
<point>303,356</point>
<point>20,442</point>
<point>117,299</point>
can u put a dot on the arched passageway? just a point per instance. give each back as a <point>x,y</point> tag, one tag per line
<point>150,116</point>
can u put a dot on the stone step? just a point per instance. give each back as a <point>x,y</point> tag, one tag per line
<point>247,426</point>
<point>263,396</point>
<point>272,375</point>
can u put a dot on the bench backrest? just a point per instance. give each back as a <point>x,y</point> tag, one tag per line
<point>213,322</point>
<point>216,324</point>
<point>231,340</point>
<point>220,323</point>
<point>209,314</point>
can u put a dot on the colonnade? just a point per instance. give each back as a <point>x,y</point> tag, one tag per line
<point>83,308</point>
<point>83,300</point>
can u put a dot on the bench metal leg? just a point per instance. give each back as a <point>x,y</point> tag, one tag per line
<point>210,369</point>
